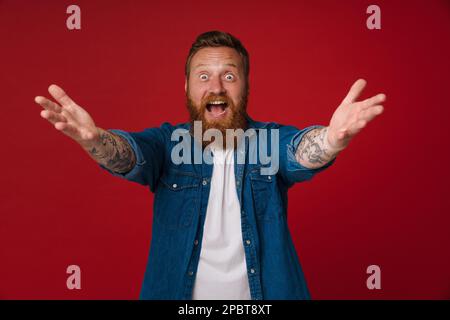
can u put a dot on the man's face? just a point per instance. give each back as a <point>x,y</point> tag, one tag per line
<point>216,89</point>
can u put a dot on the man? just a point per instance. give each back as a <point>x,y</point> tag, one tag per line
<point>220,228</point>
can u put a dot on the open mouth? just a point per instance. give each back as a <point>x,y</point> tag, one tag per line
<point>217,108</point>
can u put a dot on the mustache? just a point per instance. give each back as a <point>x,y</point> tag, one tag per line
<point>197,111</point>
<point>214,98</point>
<point>235,120</point>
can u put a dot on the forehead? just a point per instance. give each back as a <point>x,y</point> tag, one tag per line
<point>216,57</point>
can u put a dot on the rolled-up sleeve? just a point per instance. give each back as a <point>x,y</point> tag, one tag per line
<point>148,147</point>
<point>290,169</point>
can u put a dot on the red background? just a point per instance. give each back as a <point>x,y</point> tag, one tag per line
<point>384,202</point>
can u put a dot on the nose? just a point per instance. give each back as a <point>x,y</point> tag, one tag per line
<point>216,86</point>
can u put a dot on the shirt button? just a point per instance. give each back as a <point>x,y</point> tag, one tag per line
<point>174,185</point>
<point>196,242</point>
<point>205,182</point>
<point>191,273</point>
<point>247,242</point>
<point>252,270</point>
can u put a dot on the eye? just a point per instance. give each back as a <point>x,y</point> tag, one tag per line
<point>203,76</point>
<point>229,77</point>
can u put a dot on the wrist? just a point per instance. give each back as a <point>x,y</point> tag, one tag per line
<point>332,148</point>
<point>93,140</point>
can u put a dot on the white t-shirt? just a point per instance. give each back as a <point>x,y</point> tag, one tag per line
<point>222,270</point>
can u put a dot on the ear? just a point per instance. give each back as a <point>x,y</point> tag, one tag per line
<point>185,85</point>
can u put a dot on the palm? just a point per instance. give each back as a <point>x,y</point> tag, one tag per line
<point>67,116</point>
<point>352,116</point>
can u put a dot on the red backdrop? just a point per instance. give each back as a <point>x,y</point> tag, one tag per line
<point>384,202</point>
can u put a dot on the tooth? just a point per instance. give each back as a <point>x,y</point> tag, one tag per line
<point>217,102</point>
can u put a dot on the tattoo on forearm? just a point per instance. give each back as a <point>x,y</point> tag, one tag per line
<point>312,150</point>
<point>114,152</point>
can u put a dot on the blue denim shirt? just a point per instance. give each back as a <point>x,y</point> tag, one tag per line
<point>179,210</point>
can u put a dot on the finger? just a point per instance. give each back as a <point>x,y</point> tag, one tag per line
<point>370,113</point>
<point>60,96</point>
<point>378,99</point>
<point>53,117</point>
<point>47,104</point>
<point>355,91</point>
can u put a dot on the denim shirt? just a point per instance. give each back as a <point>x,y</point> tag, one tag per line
<point>179,210</point>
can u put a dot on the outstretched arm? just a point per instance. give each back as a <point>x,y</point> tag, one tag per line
<point>113,152</point>
<point>106,148</point>
<point>321,145</point>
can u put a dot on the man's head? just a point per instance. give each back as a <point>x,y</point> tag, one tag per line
<point>217,70</point>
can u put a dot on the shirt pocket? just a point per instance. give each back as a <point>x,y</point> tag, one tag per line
<point>176,199</point>
<point>266,197</point>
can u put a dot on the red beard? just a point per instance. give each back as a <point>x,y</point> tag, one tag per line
<point>235,118</point>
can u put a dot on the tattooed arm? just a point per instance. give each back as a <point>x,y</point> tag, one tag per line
<point>113,152</point>
<point>321,145</point>
<point>107,148</point>
<point>314,150</point>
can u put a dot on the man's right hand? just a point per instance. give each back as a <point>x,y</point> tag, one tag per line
<point>69,117</point>
<point>105,147</point>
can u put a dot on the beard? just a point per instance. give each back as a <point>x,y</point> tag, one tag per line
<point>236,117</point>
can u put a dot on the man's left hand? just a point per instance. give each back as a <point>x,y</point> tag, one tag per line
<point>352,116</point>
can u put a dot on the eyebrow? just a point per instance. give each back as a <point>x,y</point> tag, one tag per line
<point>204,64</point>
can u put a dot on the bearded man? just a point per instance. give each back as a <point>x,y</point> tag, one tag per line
<point>219,229</point>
